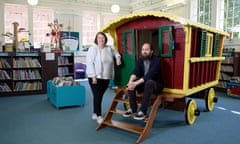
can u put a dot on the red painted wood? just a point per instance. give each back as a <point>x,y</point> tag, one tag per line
<point>172,79</point>
<point>193,49</point>
<point>202,72</point>
<point>207,74</point>
<point>167,72</point>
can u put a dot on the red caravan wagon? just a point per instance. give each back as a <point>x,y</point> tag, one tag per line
<point>190,54</point>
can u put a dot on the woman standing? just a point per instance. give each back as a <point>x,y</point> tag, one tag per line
<point>100,69</point>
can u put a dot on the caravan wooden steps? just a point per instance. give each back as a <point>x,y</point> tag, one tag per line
<point>143,131</point>
<point>166,100</point>
<point>124,126</point>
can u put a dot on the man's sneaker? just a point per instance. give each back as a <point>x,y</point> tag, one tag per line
<point>128,113</point>
<point>94,116</point>
<point>99,119</point>
<point>139,116</point>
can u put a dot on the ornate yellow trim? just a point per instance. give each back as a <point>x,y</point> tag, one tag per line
<point>201,59</point>
<point>191,91</point>
<point>186,57</point>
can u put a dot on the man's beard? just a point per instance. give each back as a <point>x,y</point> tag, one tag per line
<point>147,57</point>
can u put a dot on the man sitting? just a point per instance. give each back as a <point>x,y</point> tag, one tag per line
<point>146,78</point>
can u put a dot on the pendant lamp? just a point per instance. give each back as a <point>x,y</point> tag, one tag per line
<point>33,2</point>
<point>115,8</point>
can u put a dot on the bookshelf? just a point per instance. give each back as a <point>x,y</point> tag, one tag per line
<point>65,64</point>
<point>27,73</point>
<point>5,72</point>
<point>62,64</point>
<point>20,74</point>
<point>229,67</point>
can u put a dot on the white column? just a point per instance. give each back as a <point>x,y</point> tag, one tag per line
<point>30,23</point>
<point>2,22</point>
<point>193,10</point>
<point>217,19</point>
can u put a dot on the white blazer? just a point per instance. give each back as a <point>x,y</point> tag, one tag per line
<point>94,64</point>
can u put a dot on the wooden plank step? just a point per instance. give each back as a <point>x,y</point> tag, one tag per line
<point>117,111</point>
<point>124,126</point>
<point>121,100</point>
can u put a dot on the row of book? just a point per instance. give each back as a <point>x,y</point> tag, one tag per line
<point>226,68</point>
<point>63,71</point>
<point>63,60</point>
<point>4,75</point>
<point>4,87</point>
<point>224,76</point>
<point>4,63</point>
<point>26,62</point>
<point>26,74</point>
<point>25,86</point>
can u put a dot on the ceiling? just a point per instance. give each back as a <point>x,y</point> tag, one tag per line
<point>127,6</point>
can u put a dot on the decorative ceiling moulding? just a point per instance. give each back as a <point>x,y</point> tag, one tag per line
<point>87,5</point>
<point>67,13</point>
<point>162,5</point>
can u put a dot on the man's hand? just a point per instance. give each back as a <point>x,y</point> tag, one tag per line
<point>131,85</point>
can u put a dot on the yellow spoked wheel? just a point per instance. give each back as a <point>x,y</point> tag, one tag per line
<point>191,112</point>
<point>210,99</point>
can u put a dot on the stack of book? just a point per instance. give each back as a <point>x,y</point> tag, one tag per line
<point>64,81</point>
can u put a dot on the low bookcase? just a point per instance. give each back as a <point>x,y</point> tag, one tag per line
<point>65,96</point>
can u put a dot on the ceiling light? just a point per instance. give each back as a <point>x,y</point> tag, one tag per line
<point>115,8</point>
<point>33,2</point>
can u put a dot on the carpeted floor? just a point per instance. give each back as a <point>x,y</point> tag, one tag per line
<point>33,120</point>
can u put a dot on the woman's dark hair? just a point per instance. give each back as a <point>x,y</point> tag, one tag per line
<point>100,33</point>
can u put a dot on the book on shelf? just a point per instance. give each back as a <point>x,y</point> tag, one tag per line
<point>4,63</point>
<point>26,74</point>
<point>226,68</point>
<point>62,71</point>
<point>23,86</point>
<point>4,87</point>
<point>26,62</point>
<point>224,76</point>
<point>4,75</point>
<point>63,61</point>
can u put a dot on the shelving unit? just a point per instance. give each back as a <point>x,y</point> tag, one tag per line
<point>5,72</point>
<point>21,73</point>
<point>65,64</point>
<point>62,64</point>
<point>26,73</point>
<point>229,67</point>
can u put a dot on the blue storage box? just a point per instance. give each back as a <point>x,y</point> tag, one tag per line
<point>66,95</point>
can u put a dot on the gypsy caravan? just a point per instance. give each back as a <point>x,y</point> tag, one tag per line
<point>190,55</point>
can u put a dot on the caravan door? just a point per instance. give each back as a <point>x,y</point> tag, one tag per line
<point>124,71</point>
